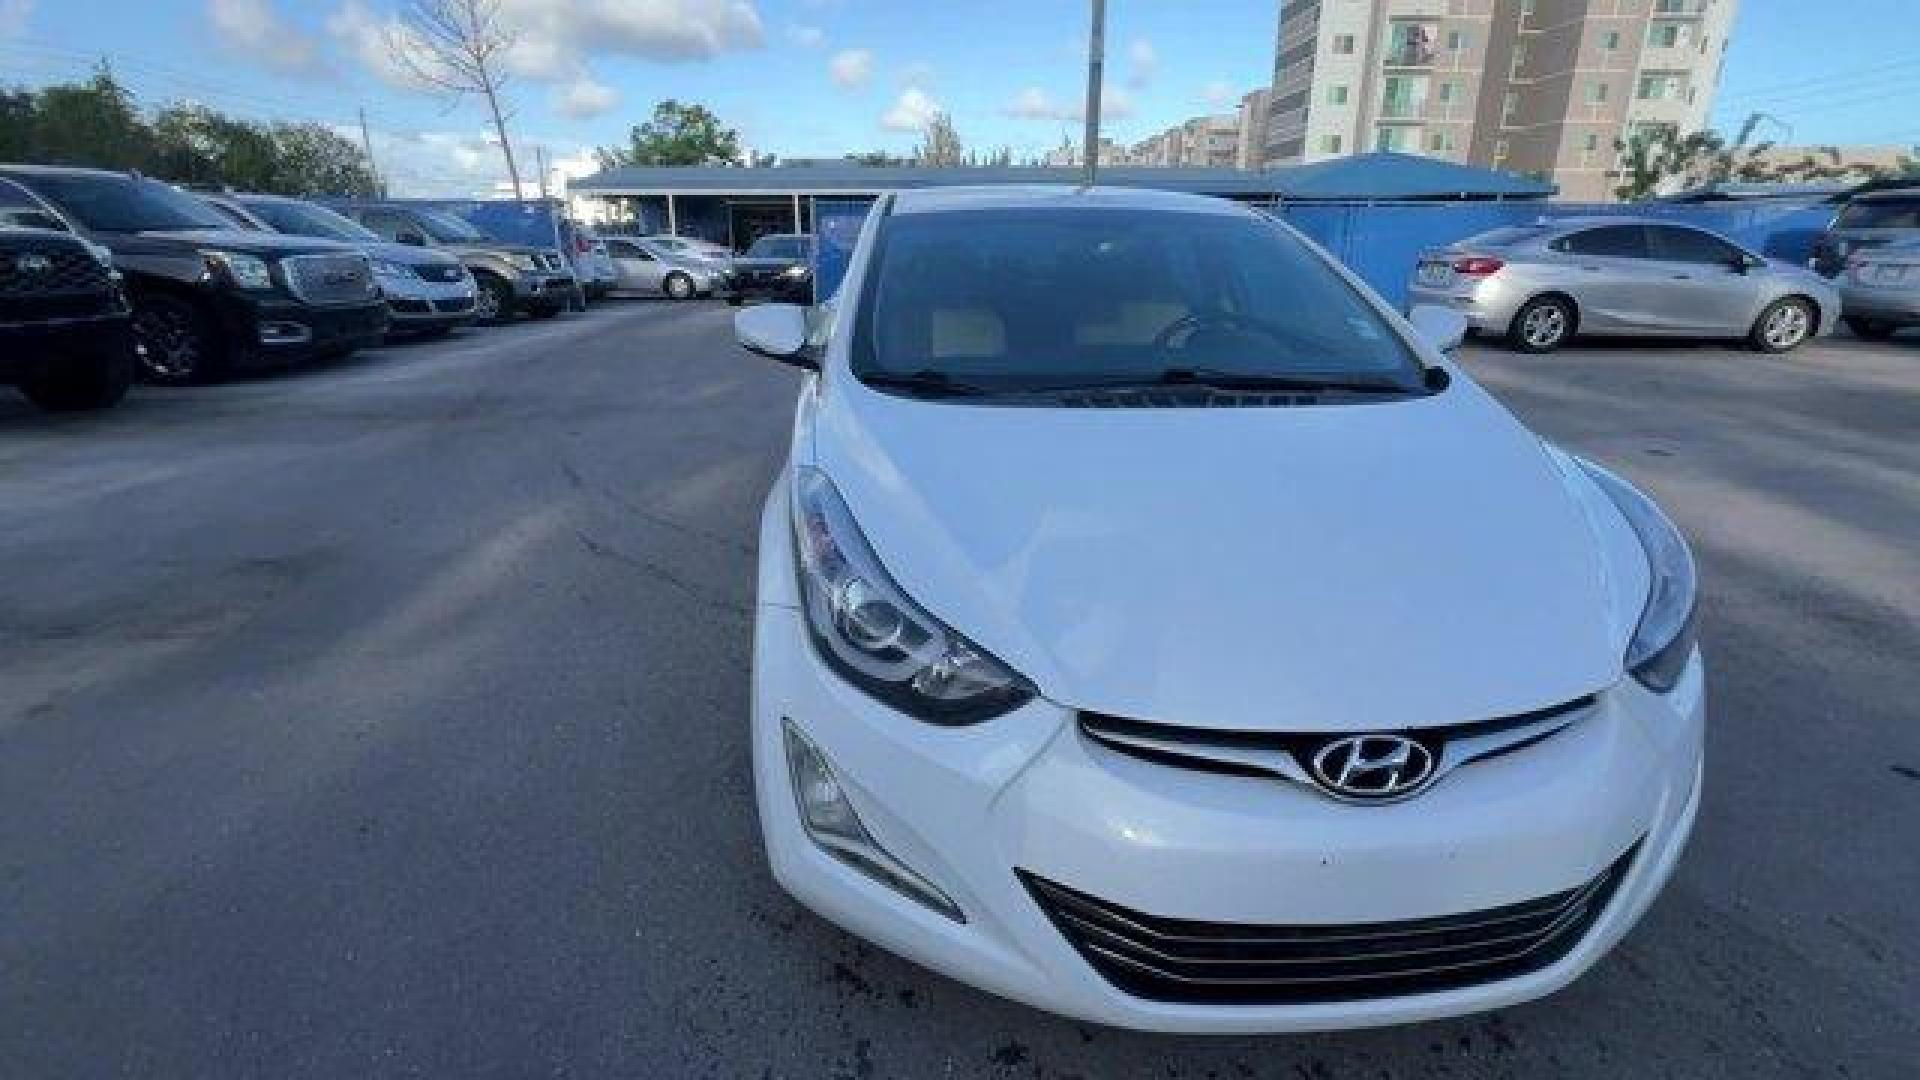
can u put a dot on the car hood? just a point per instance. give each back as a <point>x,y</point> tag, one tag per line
<point>406,254</point>
<point>488,247</point>
<point>1342,567</point>
<point>741,262</point>
<point>270,245</point>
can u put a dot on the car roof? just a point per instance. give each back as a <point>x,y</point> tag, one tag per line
<point>66,170</point>
<point>1904,194</point>
<point>939,200</point>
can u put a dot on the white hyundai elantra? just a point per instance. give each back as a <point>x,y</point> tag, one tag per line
<point>1155,628</point>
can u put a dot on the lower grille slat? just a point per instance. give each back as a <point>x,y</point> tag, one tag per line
<point>1181,960</point>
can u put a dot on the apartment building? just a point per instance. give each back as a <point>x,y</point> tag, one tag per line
<point>1250,123</point>
<point>1202,142</point>
<point>1534,86</point>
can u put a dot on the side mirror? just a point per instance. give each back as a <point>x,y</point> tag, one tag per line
<point>1442,328</point>
<point>1744,263</point>
<point>411,238</point>
<point>775,330</point>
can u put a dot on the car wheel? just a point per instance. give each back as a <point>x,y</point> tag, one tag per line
<point>735,301</point>
<point>180,345</point>
<point>1783,326</point>
<point>493,300</point>
<point>678,286</point>
<point>1870,329</point>
<point>1541,325</point>
<point>76,385</point>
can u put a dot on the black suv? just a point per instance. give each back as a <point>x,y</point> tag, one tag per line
<point>65,336</point>
<point>206,297</point>
<point>779,266</point>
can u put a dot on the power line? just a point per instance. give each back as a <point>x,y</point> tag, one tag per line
<point>1853,72</point>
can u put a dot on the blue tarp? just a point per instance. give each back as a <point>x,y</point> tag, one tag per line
<point>1382,176</point>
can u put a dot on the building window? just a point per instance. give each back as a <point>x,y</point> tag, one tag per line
<point>1661,86</point>
<point>1667,35</point>
<point>1519,59</point>
<point>1404,97</point>
<point>1330,144</point>
<point>1597,93</point>
<point>1610,41</point>
<point>1336,95</point>
<point>1441,142</point>
<point>1509,106</point>
<point>1590,143</point>
<point>1499,151</point>
<point>1343,44</point>
<point>1388,137</point>
<point>1672,7</point>
<point>1457,40</point>
<point>1447,90</point>
<point>1410,44</point>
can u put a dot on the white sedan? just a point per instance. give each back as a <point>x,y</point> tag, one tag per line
<point>1156,629</point>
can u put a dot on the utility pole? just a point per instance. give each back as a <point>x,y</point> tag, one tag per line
<point>540,160</point>
<point>366,144</point>
<point>1096,60</point>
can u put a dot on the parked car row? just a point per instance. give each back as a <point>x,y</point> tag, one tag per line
<point>1539,285</point>
<point>106,277</point>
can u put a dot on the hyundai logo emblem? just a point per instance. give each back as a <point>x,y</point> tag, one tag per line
<point>33,264</point>
<point>1373,768</point>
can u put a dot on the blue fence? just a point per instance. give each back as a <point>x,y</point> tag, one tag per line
<point>1382,241</point>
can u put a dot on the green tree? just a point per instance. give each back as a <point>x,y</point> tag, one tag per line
<point>678,134</point>
<point>92,123</point>
<point>940,146</point>
<point>193,144</point>
<point>313,159</point>
<point>16,124</point>
<point>878,159</point>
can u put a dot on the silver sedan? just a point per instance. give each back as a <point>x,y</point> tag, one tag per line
<point>647,268</point>
<point>1538,285</point>
<point>1881,290</point>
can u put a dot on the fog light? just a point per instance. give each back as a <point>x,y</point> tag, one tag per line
<point>831,822</point>
<point>284,333</point>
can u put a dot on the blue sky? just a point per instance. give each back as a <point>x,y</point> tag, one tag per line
<point>822,77</point>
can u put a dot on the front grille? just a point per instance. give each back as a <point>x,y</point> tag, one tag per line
<point>453,306</point>
<point>408,305</point>
<point>1180,960</point>
<point>441,272</point>
<point>550,260</point>
<point>58,268</point>
<point>329,279</point>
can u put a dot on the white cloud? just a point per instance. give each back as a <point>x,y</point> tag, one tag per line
<point>585,97</point>
<point>13,17</point>
<point>807,37</point>
<point>911,111</point>
<point>1033,103</point>
<point>1142,63</point>
<point>366,36</point>
<point>255,28</point>
<point>1217,93</point>
<point>851,67</point>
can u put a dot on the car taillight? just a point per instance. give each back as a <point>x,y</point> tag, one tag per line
<point>1477,266</point>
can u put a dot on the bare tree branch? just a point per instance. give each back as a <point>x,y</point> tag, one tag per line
<point>459,48</point>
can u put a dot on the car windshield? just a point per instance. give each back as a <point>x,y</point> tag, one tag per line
<point>449,228</point>
<point>18,210</point>
<point>1025,299</point>
<point>306,219</point>
<point>778,247</point>
<point>108,203</point>
<point>1881,214</point>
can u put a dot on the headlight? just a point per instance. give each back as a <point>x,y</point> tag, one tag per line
<point>877,638</point>
<point>523,262</point>
<point>795,271</point>
<point>246,271</point>
<point>386,268</point>
<point>1664,640</point>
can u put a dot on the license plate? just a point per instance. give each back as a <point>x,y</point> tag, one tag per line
<point>1889,275</point>
<point>1435,274</point>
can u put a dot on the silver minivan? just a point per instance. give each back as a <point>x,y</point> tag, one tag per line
<point>1538,285</point>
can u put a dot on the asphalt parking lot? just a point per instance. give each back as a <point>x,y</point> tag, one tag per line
<point>388,719</point>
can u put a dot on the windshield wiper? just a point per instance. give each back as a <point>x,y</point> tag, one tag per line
<point>1232,381</point>
<point>925,383</point>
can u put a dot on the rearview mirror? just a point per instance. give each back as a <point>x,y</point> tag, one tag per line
<point>775,330</point>
<point>1442,328</point>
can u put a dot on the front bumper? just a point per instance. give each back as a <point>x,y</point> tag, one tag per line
<point>543,289</point>
<point>28,348</point>
<point>275,330</point>
<point>777,289</point>
<point>1488,303</point>
<point>972,809</point>
<point>1899,306</point>
<point>424,305</point>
